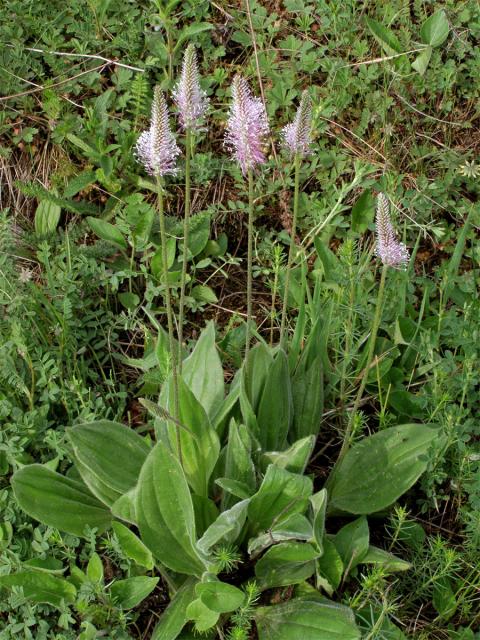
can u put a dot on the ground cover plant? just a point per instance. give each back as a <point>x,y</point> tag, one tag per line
<point>238,391</point>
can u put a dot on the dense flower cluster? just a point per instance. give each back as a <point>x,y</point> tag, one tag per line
<point>156,148</point>
<point>297,136</point>
<point>247,126</point>
<point>191,100</point>
<point>390,251</point>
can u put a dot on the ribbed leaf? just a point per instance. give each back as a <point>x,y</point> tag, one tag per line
<point>227,527</point>
<point>275,409</point>
<point>107,231</point>
<point>296,527</point>
<point>109,457</point>
<point>238,461</point>
<point>280,494</point>
<point>285,564</point>
<point>58,501</point>
<point>306,619</point>
<point>165,514</point>
<point>41,587</point>
<point>199,440</point>
<point>379,469</point>
<point>203,373</point>
<point>132,546</point>
<point>307,391</point>
<point>295,458</point>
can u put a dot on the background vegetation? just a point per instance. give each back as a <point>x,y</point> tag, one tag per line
<point>396,109</point>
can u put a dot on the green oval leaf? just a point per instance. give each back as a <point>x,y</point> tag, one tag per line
<point>318,503</point>
<point>379,469</point>
<point>296,527</point>
<point>239,466</point>
<point>95,569</point>
<point>203,617</point>
<point>295,458</point>
<point>156,264</point>
<point>227,527</point>
<point>308,619</point>
<point>285,564</point>
<point>58,501</point>
<point>47,217</point>
<point>352,542</point>
<point>219,596</point>
<point>387,39</point>
<point>280,494</point>
<point>41,587</point>
<point>420,63</point>
<point>165,513</point>
<point>130,592</point>
<point>191,30</point>
<point>199,440</point>
<point>331,566</point>
<point>48,564</point>
<point>387,560</point>
<point>132,546</point>
<point>275,409</point>
<point>307,392</point>
<point>435,29</point>
<point>107,231</point>
<point>203,373</point>
<point>124,507</point>
<point>110,456</point>
<point>203,294</point>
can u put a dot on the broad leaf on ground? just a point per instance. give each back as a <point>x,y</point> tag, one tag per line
<point>306,619</point>
<point>109,457</point>
<point>380,468</point>
<point>164,510</point>
<point>58,501</point>
<point>280,494</point>
<point>41,587</point>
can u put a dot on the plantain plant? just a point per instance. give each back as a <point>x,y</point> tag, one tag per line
<point>222,477</point>
<point>240,491</point>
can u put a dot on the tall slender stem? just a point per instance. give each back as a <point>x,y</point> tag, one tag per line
<point>188,150</point>
<point>171,338</point>
<point>349,328</point>
<point>249,261</point>
<point>291,250</point>
<point>371,349</point>
<point>272,307</point>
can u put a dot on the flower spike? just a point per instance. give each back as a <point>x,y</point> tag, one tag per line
<point>156,148</point>
<point>297,136</point>
<point>390,251</point>
<point>247,126</point>
<point>190,98</point>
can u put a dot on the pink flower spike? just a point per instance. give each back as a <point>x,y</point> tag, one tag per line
<point>297,135</point>
<point>390,251</point>
<point>156,148</point>
<point>247,126</point>
<point>191,100</point>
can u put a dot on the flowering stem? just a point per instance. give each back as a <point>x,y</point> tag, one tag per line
<point>188,150</point>
<point>249,260</point>
<point>274,297</point>
<point>173,355</point>
<point>291,250</point>
<point>371,349</point>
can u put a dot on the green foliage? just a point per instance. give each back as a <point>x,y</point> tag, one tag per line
<point>380,468</point>
<point>58,501</point>
<point>310,617</point>
<point>195,514</point>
